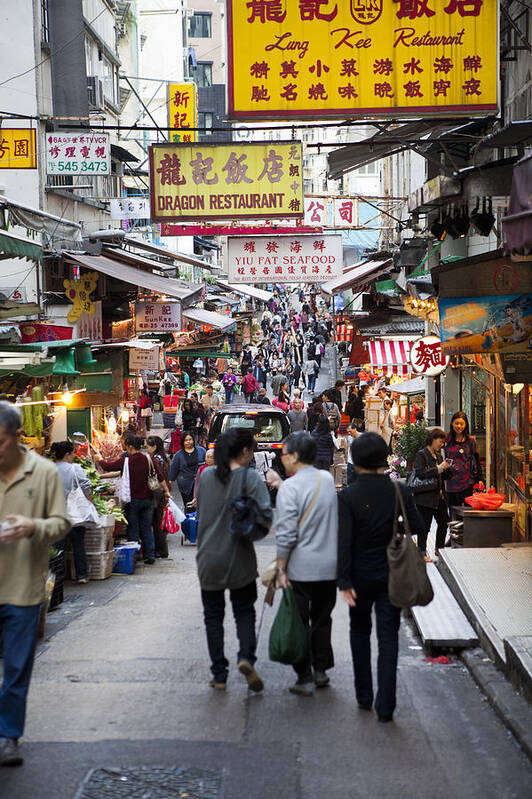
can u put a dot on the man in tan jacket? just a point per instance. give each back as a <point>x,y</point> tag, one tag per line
<point>32,516</point>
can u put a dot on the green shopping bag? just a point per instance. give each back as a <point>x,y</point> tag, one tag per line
<point>288,635</point>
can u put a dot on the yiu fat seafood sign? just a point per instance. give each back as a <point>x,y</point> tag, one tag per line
<point>226,181</point>
<point>346,58</point>
<point>286,259</point>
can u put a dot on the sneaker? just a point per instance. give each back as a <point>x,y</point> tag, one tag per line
<point>253,680</point>
<point>83,581</point>
<point>218,685</point>
<point>321,680</point>
<point>302,688</point>
<point>365,706</point>
<point>149,561</point>
<point>9,752</point>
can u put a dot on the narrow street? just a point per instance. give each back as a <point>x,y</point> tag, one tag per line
<point>123,683</point>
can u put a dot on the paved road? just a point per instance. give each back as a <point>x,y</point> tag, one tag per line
<point>121,681</point>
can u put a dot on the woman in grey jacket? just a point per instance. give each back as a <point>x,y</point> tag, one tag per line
<point>225,562</point>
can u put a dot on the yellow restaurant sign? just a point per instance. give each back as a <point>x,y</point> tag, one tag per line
<point>183,111</point>
<point>338,58</point>
<point>18,148</point>
<point>226,181</point>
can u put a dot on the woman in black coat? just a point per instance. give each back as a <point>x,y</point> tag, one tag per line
<point>430,466</point>
<point>324,444</point>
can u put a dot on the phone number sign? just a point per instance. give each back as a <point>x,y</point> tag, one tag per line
<point>77,154</point>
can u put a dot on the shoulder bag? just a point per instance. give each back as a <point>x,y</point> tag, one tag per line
<point>408,581</point>
<point>421,485</point>
<point>245,513</point>
<point>153,480</point>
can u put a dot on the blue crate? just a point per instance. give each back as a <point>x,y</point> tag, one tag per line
<point>125,559</point>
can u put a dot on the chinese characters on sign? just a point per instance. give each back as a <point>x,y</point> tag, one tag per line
<point>18,148</point>
<point>157,317</point>
<point>78,292</point>
<point>141,360</point>
<point>183,111</point>
<point>224,181</point>
<point>77,154</point>
<point>130,208</point>
<point>286,259</point>
<point>426,356</point>
<point>353,57</point>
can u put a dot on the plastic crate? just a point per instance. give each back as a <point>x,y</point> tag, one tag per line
<point>100,564</point>
<point>125,559</point>
<point>98,539</point>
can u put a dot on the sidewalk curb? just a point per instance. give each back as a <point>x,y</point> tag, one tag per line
<point>513,709</point>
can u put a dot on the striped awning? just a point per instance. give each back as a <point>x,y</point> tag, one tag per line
<point>343,332</point>
<point>391,356</point>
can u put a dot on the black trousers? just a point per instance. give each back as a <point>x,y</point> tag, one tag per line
<point>316,601</point>
<point>442,517</point>
<point>456,499</point>
<point>375,593</point>
<point>243,602</point>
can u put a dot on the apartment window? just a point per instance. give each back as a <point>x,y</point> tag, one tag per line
<point>109,81</point>
<point>200,25</point>
<point>368,169</point>
<point>205,121</point>
<point>202,74</point>
<point>45,29</point>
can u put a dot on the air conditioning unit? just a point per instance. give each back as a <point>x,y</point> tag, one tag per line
<point>95,92</point>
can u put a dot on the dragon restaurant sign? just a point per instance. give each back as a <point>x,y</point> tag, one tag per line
<point>347,58</point>
<point>284,259</point>
<point>426,356</point>
<point>233,181</point>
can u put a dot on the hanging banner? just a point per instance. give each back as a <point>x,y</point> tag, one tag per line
<point>141,360</point>
<point>334,58</point>
<point>486,324</point>
<point>157,316</point>
<point>226,181</point>
<point>130,208</point>
<point>30,332</point>
<point>18,148</point>
<point>234,229</point>
<point>183,111</point>
<point>78,154</point>
<point>426,356</point>
<point>286,259</point>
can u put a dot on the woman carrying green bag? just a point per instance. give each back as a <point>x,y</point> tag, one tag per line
<point>307,539</point>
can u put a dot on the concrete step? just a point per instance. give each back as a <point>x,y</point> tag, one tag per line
<point>442,623</point>
<point>518,650</point>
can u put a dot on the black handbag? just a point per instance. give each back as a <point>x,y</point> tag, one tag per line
<point>245,513</point>
<point>421,485</point>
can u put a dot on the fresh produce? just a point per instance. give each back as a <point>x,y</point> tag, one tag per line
<point>33,415</point>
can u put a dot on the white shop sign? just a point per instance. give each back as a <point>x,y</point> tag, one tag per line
<point>141,360</point>
<point>284,259</point>
<point>14,293</point>
<point>77,154</point>
<point>426,356</point>
<point>130,208</point>
<point>157,317</point>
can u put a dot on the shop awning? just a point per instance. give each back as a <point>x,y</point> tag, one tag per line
<point>356,276</point>
<point>121,154</point>
<point>35,219</point>
<point>516,134</point>
<point>188,293</point>
<point>246,290</point>
<point>211,318</point>
<point>414,386</point>
<point>391,356</point>
<point>13,246</point>
<point>185,258</point>
<point>137,344</point>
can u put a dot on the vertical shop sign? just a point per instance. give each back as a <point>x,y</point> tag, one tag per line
<point>183,111</point>
<point>347,58</point>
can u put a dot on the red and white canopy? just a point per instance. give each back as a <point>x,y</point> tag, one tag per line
<point>391,356</point>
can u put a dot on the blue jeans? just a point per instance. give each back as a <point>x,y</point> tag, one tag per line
<point>19,626</point>
<point>140,519</point>
<point>249,397</point>
<point>375,592</point>
<point>229,395</point>
<point>311,381</point>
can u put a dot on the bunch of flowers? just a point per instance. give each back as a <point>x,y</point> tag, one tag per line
<point>397,466</point>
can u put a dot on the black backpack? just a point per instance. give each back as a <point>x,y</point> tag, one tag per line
<point>245,512</point>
